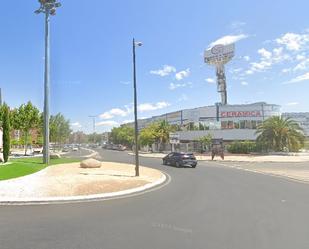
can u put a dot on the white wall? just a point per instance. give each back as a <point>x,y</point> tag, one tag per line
<point>227,135</point>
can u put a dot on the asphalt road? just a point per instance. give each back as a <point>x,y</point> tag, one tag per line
<point>211,207</point>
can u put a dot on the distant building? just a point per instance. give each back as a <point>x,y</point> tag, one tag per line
<point>230,122</point>
<point>302,118</point>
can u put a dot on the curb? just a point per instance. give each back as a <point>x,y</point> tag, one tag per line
<point>163,181</point>
<point>93,153</point>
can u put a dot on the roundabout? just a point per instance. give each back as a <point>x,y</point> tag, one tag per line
<point>72,182</point>
<point>212,206</point>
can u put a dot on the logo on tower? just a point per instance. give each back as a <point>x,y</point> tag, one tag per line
<point>218,49</point>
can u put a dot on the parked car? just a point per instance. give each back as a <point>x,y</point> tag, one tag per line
<point>66,149</point>
<point>108,146</point>
<point>121,147</point>
<point>180,159</point>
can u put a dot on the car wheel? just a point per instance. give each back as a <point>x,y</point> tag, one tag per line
<point>177,164</point>
<point>164,162</point>
<point>194,166</point>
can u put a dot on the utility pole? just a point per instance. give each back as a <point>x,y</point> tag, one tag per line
<point>139,44</point>
<point>48,7</point>
<point>93,125</point>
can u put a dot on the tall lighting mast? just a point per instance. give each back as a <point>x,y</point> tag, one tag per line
<point>47,7</point>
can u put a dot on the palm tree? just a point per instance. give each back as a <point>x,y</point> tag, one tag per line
<point>162,132</point>
<point>278,133</point>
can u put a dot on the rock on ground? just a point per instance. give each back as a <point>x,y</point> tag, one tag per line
<point>90,163</point>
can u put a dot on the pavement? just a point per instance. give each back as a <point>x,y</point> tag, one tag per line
<point>298,171</point>
<point>212,206</point>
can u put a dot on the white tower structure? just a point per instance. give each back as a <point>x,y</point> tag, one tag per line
<point>218,56</point>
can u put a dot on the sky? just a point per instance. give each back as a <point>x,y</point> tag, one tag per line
<point>91,56</point>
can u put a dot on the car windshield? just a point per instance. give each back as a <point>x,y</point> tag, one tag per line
<point>154,124</point>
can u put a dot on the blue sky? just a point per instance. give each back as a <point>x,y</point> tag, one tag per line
<point>92,58</point>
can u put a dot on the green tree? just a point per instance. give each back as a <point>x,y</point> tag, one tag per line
<point>6,132</point>
<point>147,136</point>
<point>59,128</point>
<point>94,138</point>
<point>205,142</point>
<point>25,118</point>
<point>157,132</point>
<point>278,133</point>
<point>122,135</point>
<point>162,131</point>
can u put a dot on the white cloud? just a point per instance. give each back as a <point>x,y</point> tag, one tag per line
<point>298,79</point>
<point>266,55</point>
<point>286,70</point>
<point>237,25</point>
<point>76,125</point>
<point>248,72</point>
<point>268,59</point>
<point>182,74</point>
<point>228,39</point>
<point>293,41</point>
<point>244,83</point>
<point>127,121</point>
<point>174,86</point>
<point>210,80</point>
<point>128,109</point>
<point>183,97</point>
<point>300,57</point>
<point>114,113</point>
<point>235,70</point>
<point>109,123</point>
<point>125,82</point>
<point>292,103</point>
<point>246,58</point>
<point>106,115</point>
<point>167,70</point>
<point>303,65</point>
<point>152,107</point>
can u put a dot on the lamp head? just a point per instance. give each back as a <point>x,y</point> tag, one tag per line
<point>138,44</point>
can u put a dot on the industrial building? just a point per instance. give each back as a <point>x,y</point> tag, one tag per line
<point>302,118</point>
<point>230,122</point>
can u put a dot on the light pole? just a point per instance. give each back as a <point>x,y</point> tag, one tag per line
<point>93,123</point>
<point>135,44</point>
<point>48,7</point>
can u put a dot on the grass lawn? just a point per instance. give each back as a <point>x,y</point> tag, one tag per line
<point>25,166</point>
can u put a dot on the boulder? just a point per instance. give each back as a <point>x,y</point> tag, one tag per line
<point>90,163</point>
<point>55,156</point>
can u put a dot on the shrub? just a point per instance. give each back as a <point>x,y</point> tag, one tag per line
<point>245,147</point>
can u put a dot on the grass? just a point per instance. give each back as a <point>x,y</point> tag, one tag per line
<point>25,166</point>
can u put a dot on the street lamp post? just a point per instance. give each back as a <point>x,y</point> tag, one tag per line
<point>93,126</point>
<point>48,7</point>
<point>135,44</point>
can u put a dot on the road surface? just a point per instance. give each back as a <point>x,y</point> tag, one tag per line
<point>212,206</point>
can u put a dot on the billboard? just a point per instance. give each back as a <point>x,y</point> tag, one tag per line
<point>219,54</point>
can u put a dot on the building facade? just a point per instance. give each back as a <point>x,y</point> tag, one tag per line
<point>230,122</point>
<point>302,118</point>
